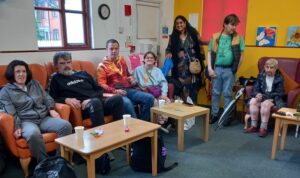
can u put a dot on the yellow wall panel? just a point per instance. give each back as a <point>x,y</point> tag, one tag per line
<point>279,13</point>
<point>185,7</point>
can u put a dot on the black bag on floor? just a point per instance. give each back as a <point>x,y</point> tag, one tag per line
<point>141,156</point>
<point>54,167</point>
<point>102,164</point>
<point>2,157</point>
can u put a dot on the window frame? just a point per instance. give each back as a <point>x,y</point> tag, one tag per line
<point>62,15</point>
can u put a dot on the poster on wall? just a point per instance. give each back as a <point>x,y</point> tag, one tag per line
<point>293,39</point>
<point>266,36</point>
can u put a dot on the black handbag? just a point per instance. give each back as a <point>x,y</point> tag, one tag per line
<point>54,167</point>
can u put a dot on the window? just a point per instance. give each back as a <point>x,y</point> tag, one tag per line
<point>62,23</point>
<point>55,34</point>
<point>54,14</point>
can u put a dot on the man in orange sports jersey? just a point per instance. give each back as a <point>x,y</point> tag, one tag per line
<point>113,77</point>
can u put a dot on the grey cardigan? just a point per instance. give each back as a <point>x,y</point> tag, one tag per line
<point>31,105</point>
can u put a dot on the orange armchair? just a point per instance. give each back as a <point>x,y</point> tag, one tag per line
<point>19,147</point>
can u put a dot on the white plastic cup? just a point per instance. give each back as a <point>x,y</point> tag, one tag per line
<point>161,103</point>
<point>79,132</point>
<point>126,120</point>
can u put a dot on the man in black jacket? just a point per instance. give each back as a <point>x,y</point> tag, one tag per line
<point>79,90</point>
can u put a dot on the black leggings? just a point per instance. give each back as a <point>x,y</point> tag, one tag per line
<point>96,111</point>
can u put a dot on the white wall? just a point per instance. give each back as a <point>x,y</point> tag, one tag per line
<point>17,30</point>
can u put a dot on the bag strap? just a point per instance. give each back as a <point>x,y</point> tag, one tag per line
<point>149,75</point>
<point>168,168</point>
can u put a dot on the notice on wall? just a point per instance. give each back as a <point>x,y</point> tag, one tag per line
<point>193,19</point>
<point>165,32</point>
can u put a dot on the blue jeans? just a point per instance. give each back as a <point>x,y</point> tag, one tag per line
<point>128,107</point>
<point>144,99</point>
<point>222,83</point>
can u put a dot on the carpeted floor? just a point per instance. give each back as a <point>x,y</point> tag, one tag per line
<point>229,153</point>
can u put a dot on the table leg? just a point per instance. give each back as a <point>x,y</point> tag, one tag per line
<point>283,136</point>
<point>64,153</point>
<point>205,127</point>
<point>275,137</point>
<point>180,132</point>
<point>90,163</point>
<point>128,153</point>
<point>153,116</point>
<point>154,153</point>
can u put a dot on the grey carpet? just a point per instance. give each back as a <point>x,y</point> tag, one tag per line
<point>229,153</point>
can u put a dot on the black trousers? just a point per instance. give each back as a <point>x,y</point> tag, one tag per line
<point>97,109</point>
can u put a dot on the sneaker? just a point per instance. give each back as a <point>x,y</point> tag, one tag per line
<point>250,129</point>
<point>262,132</point>
<point>164,129</point>
<point>213,119</point>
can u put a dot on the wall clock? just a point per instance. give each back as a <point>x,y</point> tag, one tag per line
<point>104,11</point>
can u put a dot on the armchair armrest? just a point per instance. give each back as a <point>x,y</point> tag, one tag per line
<point>75,117</point>
<point>293,97</point>
<point>7,125</point>
<point>63,110</point>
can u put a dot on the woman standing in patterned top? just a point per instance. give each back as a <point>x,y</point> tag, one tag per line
<point>185,37</point>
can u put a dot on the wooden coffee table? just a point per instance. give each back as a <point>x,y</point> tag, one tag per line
<point>181,112</point>
<point>90,147</point>
<point>282,121</point>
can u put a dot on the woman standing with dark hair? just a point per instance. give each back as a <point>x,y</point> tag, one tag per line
<point>31,107</point>
<point>185,39</point>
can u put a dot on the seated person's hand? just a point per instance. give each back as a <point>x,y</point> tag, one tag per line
<point>121,92</point>
<point>185,81</point>
<point>165,98</point>
<point>54,114</point>
<point>73,102</point>
<point>259,96</point>
<point>181,80</point>
<point>18,133</point>
<point>84,104</point>
<point>132,81</point>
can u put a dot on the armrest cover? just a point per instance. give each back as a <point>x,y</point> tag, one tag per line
<point>63,110</point>
<point>293,97</point>
<point>76,117</point>
<point>7,132</point>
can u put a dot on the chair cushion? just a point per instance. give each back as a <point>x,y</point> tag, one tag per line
<point>47,137</point>
<point>289,83</point>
